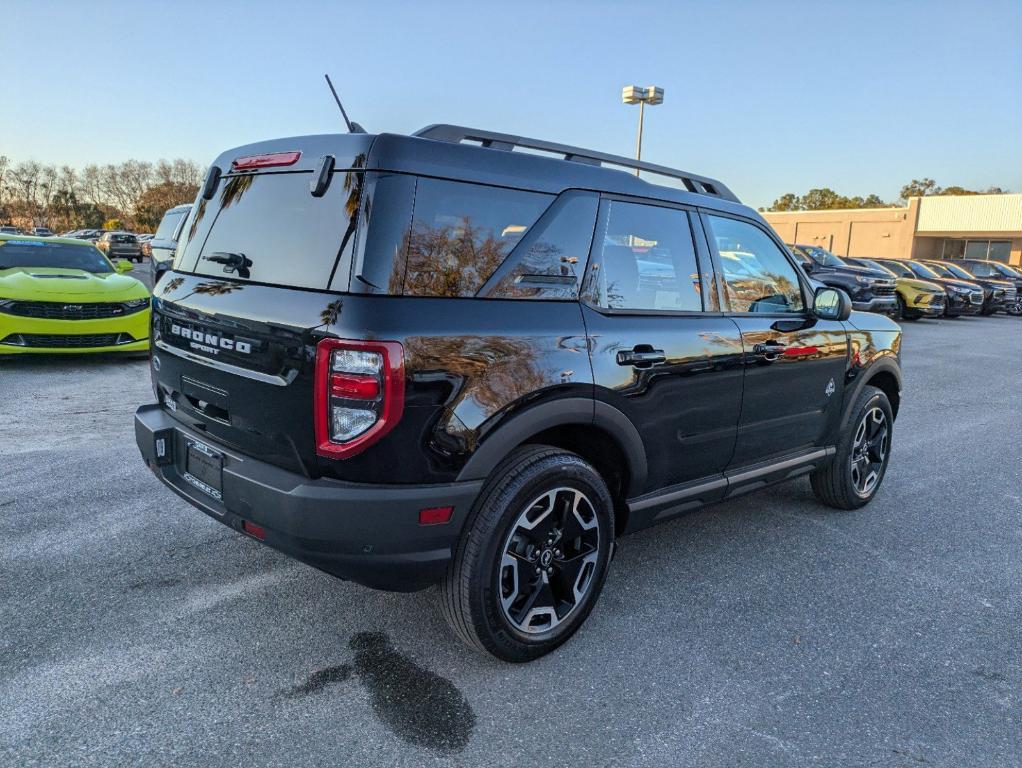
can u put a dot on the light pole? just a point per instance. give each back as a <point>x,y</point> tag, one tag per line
<point>633,94</point>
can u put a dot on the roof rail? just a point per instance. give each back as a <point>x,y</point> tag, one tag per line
<point>455,134</point>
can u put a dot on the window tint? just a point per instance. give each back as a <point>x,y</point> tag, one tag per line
<point>645,258</point>
<point>979,269</point>
<point>898,269</point>
<point>757,275</point>
<point>32,253</point>
<point>168,225</point>
<point>288,236</point>
<point>548,262</point>
<point>462,232</point>
<point>957,271</point>
<point>383,235</point>
<point>921,270</point>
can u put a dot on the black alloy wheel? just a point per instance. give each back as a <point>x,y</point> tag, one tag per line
<point>869,451</point>
<point>549,560</point>
<point>533,555</point>
<point>854,476</point>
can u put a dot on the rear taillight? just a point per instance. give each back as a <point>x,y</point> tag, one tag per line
<point>360,394</point>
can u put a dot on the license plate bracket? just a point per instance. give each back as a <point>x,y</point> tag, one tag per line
<point>204,468</point>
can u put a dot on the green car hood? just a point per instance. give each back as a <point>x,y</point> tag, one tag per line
<point>55,284</point>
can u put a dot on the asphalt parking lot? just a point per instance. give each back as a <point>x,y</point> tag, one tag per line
<point>765,631</point>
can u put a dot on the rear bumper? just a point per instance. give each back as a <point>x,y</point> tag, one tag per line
<point>369,534</point>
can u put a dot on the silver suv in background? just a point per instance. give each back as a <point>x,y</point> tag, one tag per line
<point>120,245</point>
<point>163,244</point>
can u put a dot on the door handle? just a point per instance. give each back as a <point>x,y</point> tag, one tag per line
<point>641,357</point>
<point>771,350</point>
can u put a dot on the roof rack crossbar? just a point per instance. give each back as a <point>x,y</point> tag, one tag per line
<point>455,134</point>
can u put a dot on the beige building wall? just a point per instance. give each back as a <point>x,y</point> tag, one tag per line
<point>882,232</point>
<point>916,231</point>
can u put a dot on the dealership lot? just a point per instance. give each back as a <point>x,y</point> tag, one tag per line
<point>767,630</point>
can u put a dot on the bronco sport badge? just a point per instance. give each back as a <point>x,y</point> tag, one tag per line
<point>209,342</point>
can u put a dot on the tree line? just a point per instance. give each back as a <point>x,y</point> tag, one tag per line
<point>826,199</point>
<point>130,195</point>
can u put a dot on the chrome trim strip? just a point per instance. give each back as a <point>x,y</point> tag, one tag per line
<point>267,378</point>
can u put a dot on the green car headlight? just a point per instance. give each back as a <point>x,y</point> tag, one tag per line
<point>136,303</point>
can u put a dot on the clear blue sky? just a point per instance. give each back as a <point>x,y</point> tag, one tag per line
<point>770,97</point>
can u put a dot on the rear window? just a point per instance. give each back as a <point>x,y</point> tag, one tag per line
<point>123,238</point>
<point>31,253</point>
<point>269,228</point>
<point>169,224</point>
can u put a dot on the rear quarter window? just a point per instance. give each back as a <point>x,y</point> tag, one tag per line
<point>169,224</point>
<point>461,233</point>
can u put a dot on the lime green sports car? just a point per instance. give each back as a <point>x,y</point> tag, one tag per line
<point>64,296</point>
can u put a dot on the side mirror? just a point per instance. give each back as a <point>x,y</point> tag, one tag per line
<point>831,304</point>
<point>124,266</point>
<point>160,268</point>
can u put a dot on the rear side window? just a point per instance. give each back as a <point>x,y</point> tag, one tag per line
<point>169,223</point>
<point>269,228</point>
<point>645,259</point>
<point>548,262</point>
<point>461,233</point>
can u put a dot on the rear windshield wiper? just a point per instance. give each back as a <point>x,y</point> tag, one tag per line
<point>232,262</point>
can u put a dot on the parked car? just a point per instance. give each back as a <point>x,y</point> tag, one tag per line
<point>999,271</point>
<point>120,245</point>
<point>41,232</point>
<point>456,370</point>
<point>160,249</point>
<point>84,234</point>
<point>916,298</point>
<point>64,296</point>
<point>7,229</point>
<point>963,297</point>
<point>997,293</point>
<point>872,290</point>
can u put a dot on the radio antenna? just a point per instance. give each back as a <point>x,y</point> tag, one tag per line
<point>352,127</point>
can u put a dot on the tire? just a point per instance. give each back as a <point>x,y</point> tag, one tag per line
<point>843,485</point>
<point>901,313</point>
<point>486,591</point>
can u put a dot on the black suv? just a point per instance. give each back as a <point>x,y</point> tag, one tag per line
<point>998,292</point>
<point>409,360</point>
<point>872,290</point>
<point>997,271</point>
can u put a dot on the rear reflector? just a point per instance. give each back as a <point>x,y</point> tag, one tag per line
<point>272,160</point>
<point>254,530</point>
<point>435,515</point>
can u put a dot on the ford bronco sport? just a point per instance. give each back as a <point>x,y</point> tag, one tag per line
<point>439,359</point>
